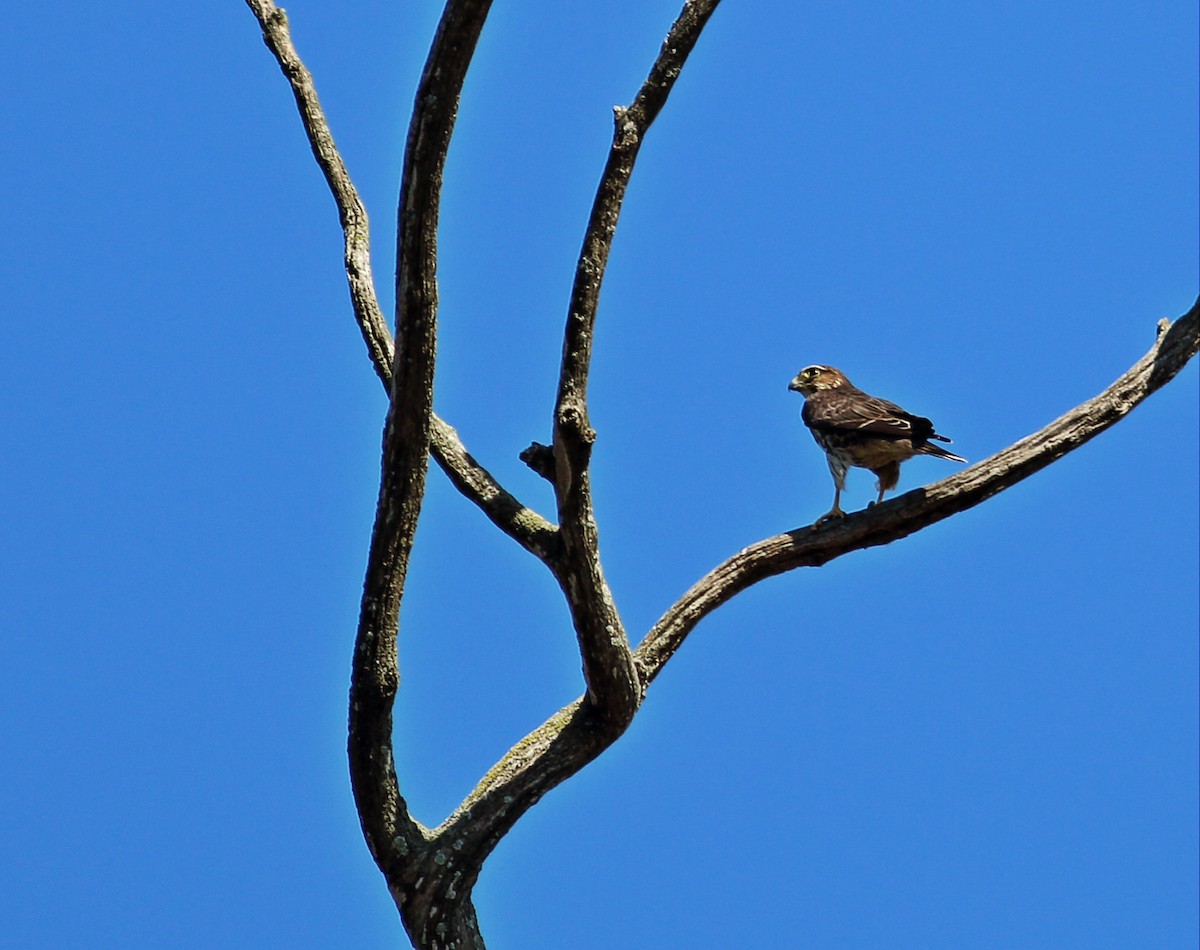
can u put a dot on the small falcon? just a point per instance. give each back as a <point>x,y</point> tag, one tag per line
<point>857,429</point>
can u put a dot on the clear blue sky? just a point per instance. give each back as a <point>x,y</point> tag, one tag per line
<point>984,736</point>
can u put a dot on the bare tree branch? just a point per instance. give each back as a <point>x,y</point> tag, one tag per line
<point>548,756</point>
<point>374,678</point>
<point>612,681</point>
<point>526,526</point>
<point>810,547</point>
<point>355,226</point>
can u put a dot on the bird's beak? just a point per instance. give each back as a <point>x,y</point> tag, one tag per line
<point>794,385</point>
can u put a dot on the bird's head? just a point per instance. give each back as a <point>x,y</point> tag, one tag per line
<point>813,379</point>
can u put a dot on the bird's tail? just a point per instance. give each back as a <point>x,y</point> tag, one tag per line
<point>938,451</point>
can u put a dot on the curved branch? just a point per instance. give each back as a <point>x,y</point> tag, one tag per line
<point>611,678</point>
<point>548,756</point>
<point>810,547</point>
<point>375,676</point>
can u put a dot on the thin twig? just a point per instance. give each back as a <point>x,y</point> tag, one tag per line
<point>353,214</point>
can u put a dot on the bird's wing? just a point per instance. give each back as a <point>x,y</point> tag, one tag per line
<point>853,411</point>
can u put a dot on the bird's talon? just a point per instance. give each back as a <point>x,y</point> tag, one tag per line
<point>836,515</point>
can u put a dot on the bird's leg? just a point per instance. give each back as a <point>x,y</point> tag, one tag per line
<point>889,476</point>
<point>835,513</point>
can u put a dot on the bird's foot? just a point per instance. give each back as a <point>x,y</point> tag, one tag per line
<point>833,514</point>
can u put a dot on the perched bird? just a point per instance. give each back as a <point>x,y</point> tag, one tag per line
<point>856,429</point>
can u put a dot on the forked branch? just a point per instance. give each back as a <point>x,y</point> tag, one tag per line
<point>523,524</point>
<point>431,872</point>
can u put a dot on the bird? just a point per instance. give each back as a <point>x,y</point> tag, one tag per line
<point>858,429</point>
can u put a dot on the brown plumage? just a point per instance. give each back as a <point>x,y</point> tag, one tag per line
<point>857,429</point>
